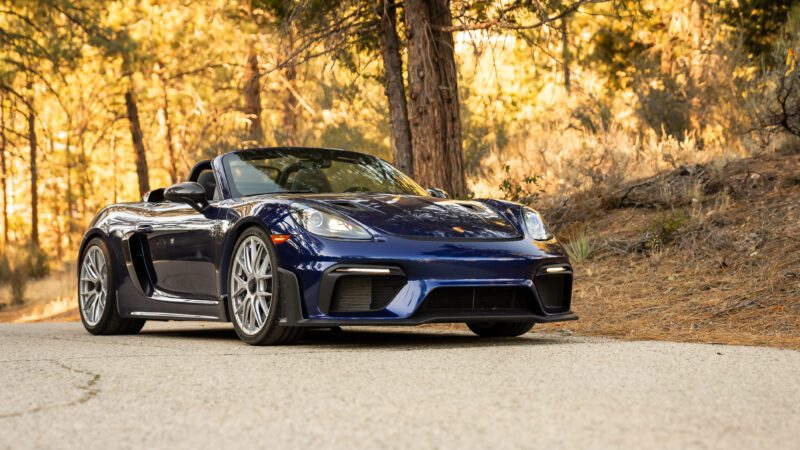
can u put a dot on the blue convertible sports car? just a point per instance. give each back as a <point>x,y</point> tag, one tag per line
<point>277,240</point>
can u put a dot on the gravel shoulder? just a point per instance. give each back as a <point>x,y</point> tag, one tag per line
<point>196,386</point>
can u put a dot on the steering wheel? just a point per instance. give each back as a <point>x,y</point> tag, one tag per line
<point>276,170</point>
<point>283,175</point>
<point>357,189</point>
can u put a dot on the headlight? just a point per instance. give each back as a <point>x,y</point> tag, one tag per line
<point>535,225</point>
<point>326,224</point>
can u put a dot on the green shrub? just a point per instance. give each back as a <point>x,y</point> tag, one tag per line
<point>581,248</point>
<point>663,228</point>
<point>520,191</point>
<point>776,107</point>
<point>18,265</point>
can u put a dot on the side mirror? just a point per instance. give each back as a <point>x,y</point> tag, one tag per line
<point>154,196</point>
<point>191,193</point>
<point>438,193</point>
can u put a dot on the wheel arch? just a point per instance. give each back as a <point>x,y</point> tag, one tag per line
<point>117,261</point>
<point>91,234</point>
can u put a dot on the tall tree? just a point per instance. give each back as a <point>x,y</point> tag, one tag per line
<point>3,169</point>
<point>137,139</point>
<point>252,98</point>
<point>433,96</point>
<point>395,87</point>
<point>565,55</point>
<point>168,138</point>
<point>290,103</point>
<point>697,21</point>
<point>34,168</point>
<point>251,90</point>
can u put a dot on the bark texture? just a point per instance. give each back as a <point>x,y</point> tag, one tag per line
<point>395,88</point>
<point>173,160</point>
<point>138,141</point>
<point>34,170</point>
<point>697,12</point>
<point>290,112</point>
<point>3,179</point>
<point>565,55</point>
<point>252,99</point>
<point>433,105</point>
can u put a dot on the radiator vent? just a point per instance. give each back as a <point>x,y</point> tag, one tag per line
<point>363,293</point>
<point>500,299</point>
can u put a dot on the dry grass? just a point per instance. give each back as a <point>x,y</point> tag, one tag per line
<point>51,298</point>
<point>729,274</point>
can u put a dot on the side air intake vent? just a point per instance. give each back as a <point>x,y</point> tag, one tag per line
<point>138,249</point>
<point>364,293</point>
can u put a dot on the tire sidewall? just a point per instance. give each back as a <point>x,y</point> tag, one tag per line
<point>272,318</point>
<point>111,292</point>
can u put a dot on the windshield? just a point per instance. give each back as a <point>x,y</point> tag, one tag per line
<point>268,171</point>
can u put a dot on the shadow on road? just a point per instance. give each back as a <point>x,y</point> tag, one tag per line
<point>372,338</point>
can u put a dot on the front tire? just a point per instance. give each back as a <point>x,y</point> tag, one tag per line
<point>254,296</point>
<point>97,294</point>
<point>500,329</point>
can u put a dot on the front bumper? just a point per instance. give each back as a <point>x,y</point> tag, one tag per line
<point>309,274</point>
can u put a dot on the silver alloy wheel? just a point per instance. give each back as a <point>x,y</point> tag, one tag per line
<point>251,285</point>
<point>93,285</point>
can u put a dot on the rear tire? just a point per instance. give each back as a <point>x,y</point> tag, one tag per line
<point>97,293</point>
<point>254,295</point>
<point>500,329</point>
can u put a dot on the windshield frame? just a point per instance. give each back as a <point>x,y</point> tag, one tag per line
<point>309,152</point>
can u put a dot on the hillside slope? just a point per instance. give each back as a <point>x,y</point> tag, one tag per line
<point>707,254</point>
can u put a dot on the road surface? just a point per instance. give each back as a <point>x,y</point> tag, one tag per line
<point>186,385</point>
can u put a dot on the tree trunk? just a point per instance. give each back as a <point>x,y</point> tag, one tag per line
<point>70,198</point>
<point>290,128</point>
<point>565,56</point>
<point>173,163</point>
<point>3,179</point>
<point>114,166</point>
<point>138,141</point>
<point>83,177</point>
<point>433,97</point>
<point>697,11</point>
<point>290,107</point>
<point>698,17</point>
<point>252,98</point>
<point>394,88</point>
<point>34,169</point>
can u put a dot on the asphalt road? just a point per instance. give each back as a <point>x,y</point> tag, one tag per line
<point>196,386</point>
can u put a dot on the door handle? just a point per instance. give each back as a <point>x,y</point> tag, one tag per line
<point>144,228</point>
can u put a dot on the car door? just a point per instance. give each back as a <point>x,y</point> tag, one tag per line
<point>180,241</point>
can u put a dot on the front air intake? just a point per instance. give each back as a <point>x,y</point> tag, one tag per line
<point>554,289</point>
<point>484,299</point>
<point>364,293</point>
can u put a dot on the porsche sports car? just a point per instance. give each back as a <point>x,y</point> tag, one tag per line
<point>277,240</point>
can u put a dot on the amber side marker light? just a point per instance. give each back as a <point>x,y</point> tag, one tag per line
<point>279,238</point>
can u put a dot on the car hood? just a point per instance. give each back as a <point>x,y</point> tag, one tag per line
<point>421,217</point>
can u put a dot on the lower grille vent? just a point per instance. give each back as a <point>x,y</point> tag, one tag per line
<point>480,299</point>
<point>361,294</point>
